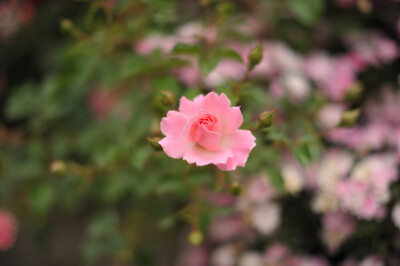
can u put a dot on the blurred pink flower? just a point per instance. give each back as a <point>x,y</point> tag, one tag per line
<point>336,227</point>
<point>371,260</point>
<point>276,254</point>
<point>8,230</point>
<point>205,131</point>
<point>194,256</point>
<point>226,70</point>
<point>101,102</point>
<point>344,3</point>
<point>13,14</point>
<point>333,75</point>
<point>188,75</point>
<point>225,228</point>
<point>260,190</point>
<point>373,48</point>
<point>367,190</point>
<point>154,42</point>
<point>330,114</point>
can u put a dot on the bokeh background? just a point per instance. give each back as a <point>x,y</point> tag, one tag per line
<point>85,84</point>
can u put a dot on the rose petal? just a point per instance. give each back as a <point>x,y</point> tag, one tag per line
<point>202,156</point>
<point>209,139</point>
<point>175,146</point>
<point>189,107</point>
<point>240,143</point>
<point>174,123</point>
<point>230,118</point>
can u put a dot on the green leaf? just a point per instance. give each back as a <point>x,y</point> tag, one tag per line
<point>308,11</point>
<point>302,154</point>
<point>229,53</point>
<point>275,178</point>
<point>207,65</point>
<point>140,156</point>
<point>183,48</point>
<point>42,198</point>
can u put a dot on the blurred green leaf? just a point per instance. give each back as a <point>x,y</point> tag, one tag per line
<point>308,11</point>
<point>207,65</point>
<point>42,198</point>
<point>224,52</point>
<point>183,48</point>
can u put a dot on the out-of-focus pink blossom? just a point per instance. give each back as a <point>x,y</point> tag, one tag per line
<point>225,228</point>
<point>330,114</point>
<point>266,218</point>
<point>101,103</point>
<point>196,256</point>
<point>344,3</point>
<point>324,176</point>
<point>306,261</point>
<point>276,254</point>
<point>366,192</point>
<point>373,48</point>
<point>333,75</point>
<point>188,75</point>
<point>260,190</point>
<point>8,230</point>
<point>13,14</point>
<point>225,70</point>
<point>154,42</point>
<point>372,261</point>
<point>193,31</point>
<point>336,227</point>
<point>219,199</point>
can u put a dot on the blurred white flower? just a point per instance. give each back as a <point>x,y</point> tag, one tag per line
<point>266,218</point>
<point>224,256</point>
<point>251,259</point>
<point>293,179</point>
<point>396,215</point>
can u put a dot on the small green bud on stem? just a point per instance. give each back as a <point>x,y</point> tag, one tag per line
<point>58,167</point>
<point>168,98</point>
<point>349,118</point>
<point>255,55</point>
<point>154,142</point>
<point>235,189</point>
<point>195,237</point>
<point>266,119</point>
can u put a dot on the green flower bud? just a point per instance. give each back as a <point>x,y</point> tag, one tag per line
<point>255,55</point>
<point>168,98</point>
<point>195,237</point>
<point>154,142</point>
<point>266,119</point>
<point>66,25</point>
<point>354,92</point>
<point>58,167</point>
<point>235,189</point>
<point>349,118</point>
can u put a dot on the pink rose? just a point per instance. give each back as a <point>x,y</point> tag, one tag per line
<point>8,230</point>
<point>206,131</point>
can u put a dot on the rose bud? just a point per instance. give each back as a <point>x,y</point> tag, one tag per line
<point>255,55</point>
<point>349,118</point>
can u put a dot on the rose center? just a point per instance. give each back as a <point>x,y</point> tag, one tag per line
<point>205,131</point>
